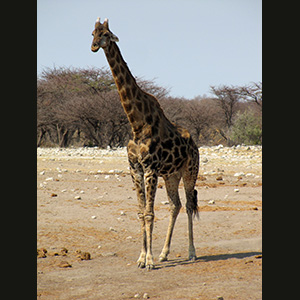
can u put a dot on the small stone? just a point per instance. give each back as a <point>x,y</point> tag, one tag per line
<point>85,256</point>
<point>64,264</point>
<point>204,160</point>
<point>202,178</point>
<point>77,198</point>
<point>41,253</point>
<point>137,296</point>
<point>106,177</point>
<point>146,296</point>
<point>220,298</point>
<point>64,251</point>
<point>219,177</point>
<point>211,202</point>
<point>53,195</point>
<point>165,202</point>
<point>49,179</point>
<point>42,173</point>
<point>236,190</point>
<point>108,254</point>
<point>93,217</point>
<point>112,229</point>
<point>239,174</point>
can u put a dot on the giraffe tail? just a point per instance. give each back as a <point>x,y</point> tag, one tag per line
<point>195,205</point>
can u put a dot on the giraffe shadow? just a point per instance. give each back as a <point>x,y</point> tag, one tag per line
<point>207,258</point>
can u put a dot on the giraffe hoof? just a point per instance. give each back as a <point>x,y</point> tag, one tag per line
<point>163,258</point>
<point>192,257</point>
<point>141,265</point>
<point>150,267</point>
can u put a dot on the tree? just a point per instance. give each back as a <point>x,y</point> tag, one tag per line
<point>252,93</point>
<point>227,99</point>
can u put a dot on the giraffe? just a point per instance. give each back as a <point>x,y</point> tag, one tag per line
<point>159,148</point>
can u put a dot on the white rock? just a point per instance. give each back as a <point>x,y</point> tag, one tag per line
<point>146,296</point>
<point>77,197</point>
<point>93,217</point>
<point>81,192</point>
<point>42,173</point>
<point>204,160</point>
<point>106,176</point>
<point>49,179</point>
<point>249,174</point>
<point>211,202</point>
<point>239,174</point>
<point>165,202</point>
<point>236,190</point>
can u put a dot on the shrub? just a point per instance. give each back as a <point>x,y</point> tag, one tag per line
<point>246,129</point>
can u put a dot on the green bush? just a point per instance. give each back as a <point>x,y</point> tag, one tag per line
<point>247,129</point>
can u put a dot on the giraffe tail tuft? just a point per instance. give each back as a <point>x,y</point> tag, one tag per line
<point>195,205</point>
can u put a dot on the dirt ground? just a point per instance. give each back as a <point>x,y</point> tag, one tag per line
<point>86,204</point>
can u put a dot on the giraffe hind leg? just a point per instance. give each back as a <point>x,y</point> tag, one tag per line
<point>189,180</point>
<point>175,205</point>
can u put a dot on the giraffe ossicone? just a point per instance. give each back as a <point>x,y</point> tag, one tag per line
<point>159,148</point>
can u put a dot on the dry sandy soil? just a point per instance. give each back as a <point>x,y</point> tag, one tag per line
<point>86,203</point>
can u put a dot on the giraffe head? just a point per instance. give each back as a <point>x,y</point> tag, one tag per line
<point>102,35</point>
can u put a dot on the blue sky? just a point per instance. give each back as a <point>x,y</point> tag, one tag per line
<point>185,45</point>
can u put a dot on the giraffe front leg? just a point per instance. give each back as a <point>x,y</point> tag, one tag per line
<point>137,174</point>
<point>151,185</point>
<point>142,259</point>
<point>139,183</point>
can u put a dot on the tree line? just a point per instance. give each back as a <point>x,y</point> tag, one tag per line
<point>81,107</point>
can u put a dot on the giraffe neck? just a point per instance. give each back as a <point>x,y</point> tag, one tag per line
<point>138,105</point>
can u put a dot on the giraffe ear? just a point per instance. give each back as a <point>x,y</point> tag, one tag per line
<point>114,38</point>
